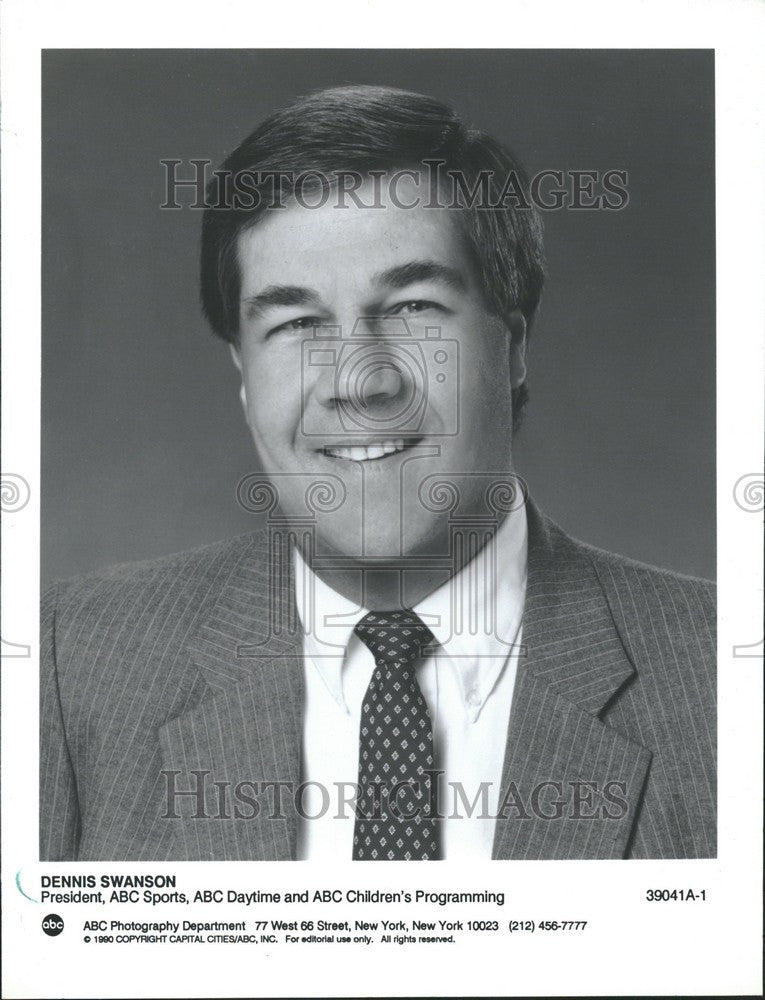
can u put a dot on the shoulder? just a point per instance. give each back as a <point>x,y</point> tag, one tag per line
<point>652,608</point>
<point>662,616</point>
<point>654,588</point>
<point>148,594</point>
<point>200,561</point>
<point>630,585</point>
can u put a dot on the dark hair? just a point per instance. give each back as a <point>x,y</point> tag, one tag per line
<point>360,129</point>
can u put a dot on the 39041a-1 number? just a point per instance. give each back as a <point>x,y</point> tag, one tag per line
<point>675,895</point>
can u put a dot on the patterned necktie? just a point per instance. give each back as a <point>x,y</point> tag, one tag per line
<point>396,792</point>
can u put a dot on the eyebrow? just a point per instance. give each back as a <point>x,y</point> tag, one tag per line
<point>396,277</point>
<point>421,270</point>
<point>279,295</point>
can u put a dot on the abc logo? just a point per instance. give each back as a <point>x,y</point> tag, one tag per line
<point>52,924</point>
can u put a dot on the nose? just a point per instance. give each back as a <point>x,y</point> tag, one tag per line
<point>363,377</point>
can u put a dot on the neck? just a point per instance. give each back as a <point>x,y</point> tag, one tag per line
<point>384,588</point>
<point>390,586</point>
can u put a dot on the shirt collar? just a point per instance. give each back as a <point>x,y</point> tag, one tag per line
<point>475,616</point>
<point>328,621</point>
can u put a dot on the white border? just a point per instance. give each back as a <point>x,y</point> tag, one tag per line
<point>714,949</point>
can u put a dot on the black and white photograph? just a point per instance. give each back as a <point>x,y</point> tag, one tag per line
<point>404,656</point>
<point>382,438</point>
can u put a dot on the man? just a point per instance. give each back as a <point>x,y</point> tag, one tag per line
<point>411,661</point>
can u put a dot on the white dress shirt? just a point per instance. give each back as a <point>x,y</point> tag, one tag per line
<point>467,685</point>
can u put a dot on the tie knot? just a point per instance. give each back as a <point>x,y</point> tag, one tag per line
<point>394,636</point>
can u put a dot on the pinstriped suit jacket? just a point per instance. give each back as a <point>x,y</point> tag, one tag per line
<point>170,666</point>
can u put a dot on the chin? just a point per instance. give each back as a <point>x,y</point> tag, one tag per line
<point>416,542</point>
<point>379,545</point>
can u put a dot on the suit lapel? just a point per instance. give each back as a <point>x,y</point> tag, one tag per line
<point>245,732</point>
<point>571,785</point>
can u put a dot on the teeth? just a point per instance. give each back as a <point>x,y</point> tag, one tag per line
<point>365,453</point>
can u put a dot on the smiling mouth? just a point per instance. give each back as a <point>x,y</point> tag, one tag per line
<point>370,452</point>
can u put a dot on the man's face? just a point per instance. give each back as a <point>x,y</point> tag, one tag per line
<point>370,361</point>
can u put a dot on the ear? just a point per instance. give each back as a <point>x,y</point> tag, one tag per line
<point>517,326</point>
<point>237,359</point>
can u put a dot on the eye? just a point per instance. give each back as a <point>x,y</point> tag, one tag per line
<point>414,306</point>
<point>299,323</point>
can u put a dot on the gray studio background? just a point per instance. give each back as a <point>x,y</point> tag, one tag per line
<point>143,441</point>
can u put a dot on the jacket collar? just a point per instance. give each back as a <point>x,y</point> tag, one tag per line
<point>560,757</point>
<point>247,726</point>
